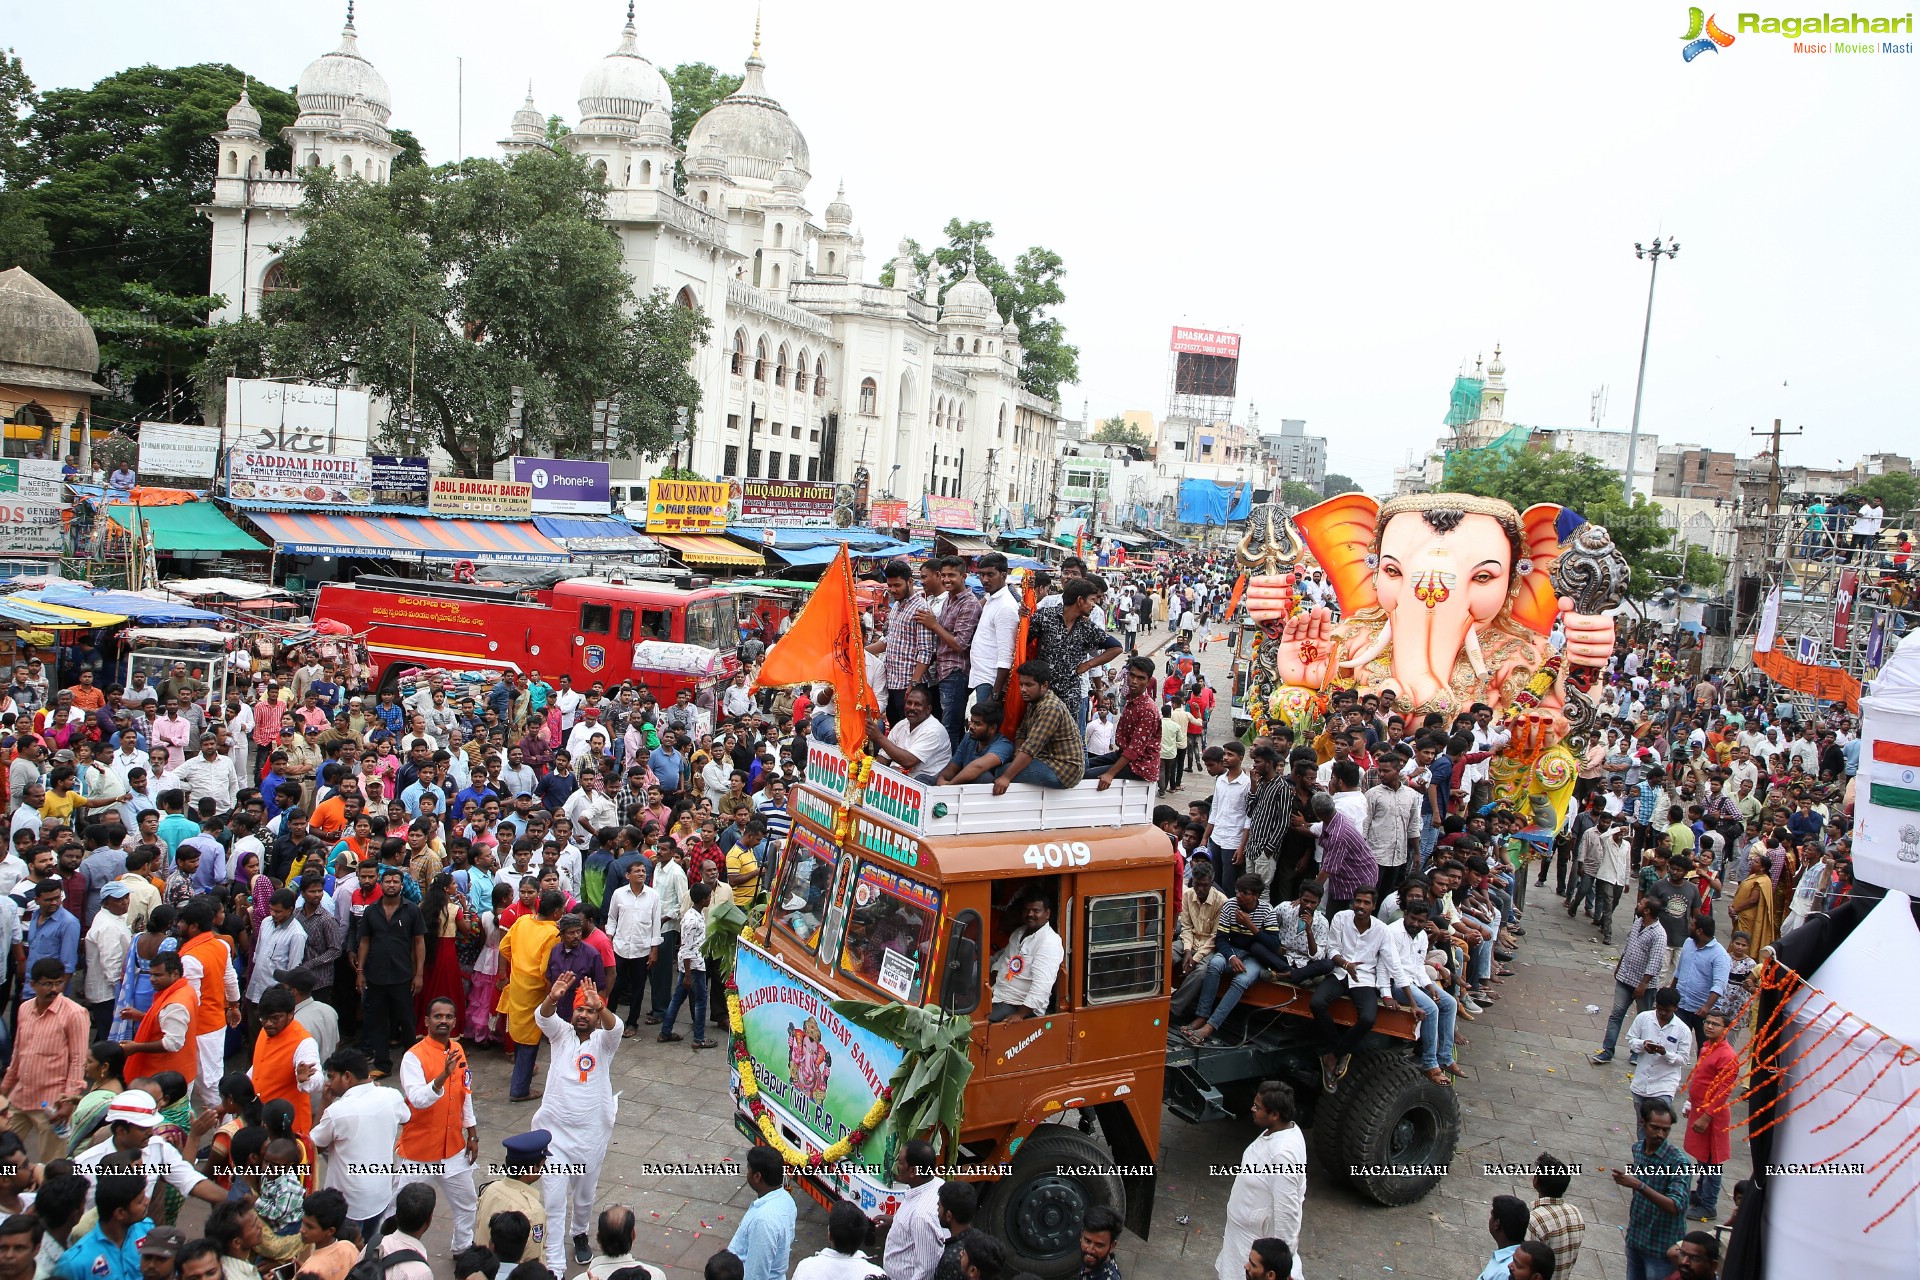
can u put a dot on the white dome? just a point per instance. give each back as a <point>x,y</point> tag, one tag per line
<point>970,301</point>
<point>622,87</point>
<point>754,131</point>
<point>840,213</point>
<point>343,86</point>
<point>243,116</point>
<point>656,126</point>
<point>708,161</point>
<point>787,178</point>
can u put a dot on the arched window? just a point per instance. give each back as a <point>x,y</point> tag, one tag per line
<point>780,363</point>
<point>959,344</point>
<point>233,162</point>
<point>800,373</point>
<point>253,166</point>
<point>313,159</point>
<point>686,299</point>
<point>779,235</point>
<point>626,179</point>
<point>760,361</point>
<point>273,280</point>
<point>703,197</point>
<point>739,351</point>
<point>976,346</point>
<point>776,275</point>
<point>1002,431</point>
<point>646,173</point>
<point>346,166</point>
<point>869,397</point>
<point>830,261</point>
<point>989,348</point>
<point>600,170</point>
<point>820,376</point>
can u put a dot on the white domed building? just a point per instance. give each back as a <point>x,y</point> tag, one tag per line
<point>811,372</point>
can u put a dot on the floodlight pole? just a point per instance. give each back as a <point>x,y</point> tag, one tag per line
<point>1639,386</point>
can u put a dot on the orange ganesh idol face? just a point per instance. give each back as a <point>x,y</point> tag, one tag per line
<point>1440,575</point>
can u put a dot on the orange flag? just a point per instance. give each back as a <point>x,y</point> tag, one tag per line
<point>1015,703</point>
<point>824,645</point>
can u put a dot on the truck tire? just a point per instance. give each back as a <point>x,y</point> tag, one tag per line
<point>1324,1150</point>
<point>1036,1211</point>
<point>1397,1129</point>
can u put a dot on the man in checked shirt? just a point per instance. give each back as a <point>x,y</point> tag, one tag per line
<point>908,645</point>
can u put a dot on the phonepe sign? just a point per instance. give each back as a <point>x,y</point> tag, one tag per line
<point>562,485</point>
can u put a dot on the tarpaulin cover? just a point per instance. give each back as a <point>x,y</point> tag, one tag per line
<point>702,548</point>
<point>312,533</point>
<point>560,528</point>
<point>27,614</point>
<point>189,526</point>
<point>130,604</point>
<point>810,537</point>
<point>1214,501</point>
<point>800,556</point>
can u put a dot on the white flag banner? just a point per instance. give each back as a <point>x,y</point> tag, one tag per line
<point>1769,622</point>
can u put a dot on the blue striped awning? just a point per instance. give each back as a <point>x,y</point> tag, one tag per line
<point>304,533</point>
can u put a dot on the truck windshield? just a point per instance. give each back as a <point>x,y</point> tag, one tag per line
<point>889,941</point>
<point>800,899</point>
<point>714,623</point>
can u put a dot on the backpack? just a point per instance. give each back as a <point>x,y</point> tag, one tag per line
<point>373,1266</point>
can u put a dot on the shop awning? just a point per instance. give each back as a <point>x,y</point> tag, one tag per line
<point>1126,539</point>
<point>189,526</point>
<point>802,557</point>
<point>25,613</point>
<point>705,548</point>
<point>967,544</point>
<point>311,533</point>
<point>595,534</point>
<point>118,605</point>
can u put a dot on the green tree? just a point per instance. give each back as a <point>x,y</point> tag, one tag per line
<point>412,154</point>
<point>1336,484</point>
<point>24,241</point>
<point>1025,293</point>
<point>696,87</point>
<point>1298,495</point>
<point>1896,491</point>
<point>154,339</point>
<point>463,288</point>
<point>16,100</point>
<point>1587,485</point>
<point>1117,430</point>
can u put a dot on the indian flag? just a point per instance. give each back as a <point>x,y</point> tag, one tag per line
<point>1895,781</point>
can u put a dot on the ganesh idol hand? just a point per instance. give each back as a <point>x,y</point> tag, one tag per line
<point>1589,636</point>
<point>1305,650</point>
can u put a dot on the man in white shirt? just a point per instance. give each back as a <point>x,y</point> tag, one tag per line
<point>131,1119</point>
<point>568,700</point>
<point>990,658</point>
<point>915,1238</point>
<point>918,743</point>
<point>738,699</point>
<point>1269,1194</point>
<point>360,1134</point>
<point>281,944</point>
<point>1866,524</point>
<point>578,1109</point>
<point>633,923</point>
<point>1024,973</point>
<point>1101,728</point>
<point>842,1260</point>
<point>1363,972</point>
<point>590,808</point>
<point>1232,788</point>
<point>107,943</point>
<point>209,774</point>
<point>1661,1046</point>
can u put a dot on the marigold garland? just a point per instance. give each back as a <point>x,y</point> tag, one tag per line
<point>762,1115</point>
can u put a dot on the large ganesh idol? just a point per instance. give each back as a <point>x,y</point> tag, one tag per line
<point>1446,600</point>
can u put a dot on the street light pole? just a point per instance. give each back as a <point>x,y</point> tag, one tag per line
<point>1633,434</point>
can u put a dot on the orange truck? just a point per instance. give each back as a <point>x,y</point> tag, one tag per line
<point>1062,1112</point>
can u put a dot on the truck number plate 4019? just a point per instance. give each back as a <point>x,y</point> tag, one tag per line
<point>1076,854</point>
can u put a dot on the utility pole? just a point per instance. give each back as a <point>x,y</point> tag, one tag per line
<point>1633,435</point>
<point>1773,483</point>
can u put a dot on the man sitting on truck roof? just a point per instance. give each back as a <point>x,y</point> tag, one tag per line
<point>1024,973</point>
<point>1048,749</point>
<point>983,748</point>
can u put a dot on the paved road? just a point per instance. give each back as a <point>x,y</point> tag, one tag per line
<point>1529,1088</point>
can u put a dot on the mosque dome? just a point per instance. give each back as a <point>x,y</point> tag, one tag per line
<point>243,116</point>
<point>755,131</point>
<point>48,343</point>
<point>840,213</point>
<point>617,93</point>
<point>787,179</point>
<point>970,301</point>
<point>656,126</point>
<point>528,124</point>
<point>344,85</point>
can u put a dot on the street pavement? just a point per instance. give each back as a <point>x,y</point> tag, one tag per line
<point>1528,1089</point>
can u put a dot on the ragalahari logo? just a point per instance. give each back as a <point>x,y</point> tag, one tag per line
<point>1703,35</point>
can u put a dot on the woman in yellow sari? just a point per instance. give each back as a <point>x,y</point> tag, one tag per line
<point>523,963</point>
<point>1755,909</point>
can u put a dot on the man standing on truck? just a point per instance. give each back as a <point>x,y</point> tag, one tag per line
<point>1024,973</point>
<point>1269,1194</point>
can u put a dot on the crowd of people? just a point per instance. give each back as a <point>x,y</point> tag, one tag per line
<point>329,880</point>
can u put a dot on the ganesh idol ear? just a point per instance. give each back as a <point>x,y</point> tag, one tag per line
<point>1534,605</point>
<point>1340,532</point>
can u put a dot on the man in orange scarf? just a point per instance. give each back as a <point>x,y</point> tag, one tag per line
<point>523,956</point>
<point>166,1037</point>
<point>286,1059</point>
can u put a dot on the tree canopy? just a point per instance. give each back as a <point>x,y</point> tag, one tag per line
<point>1298,495</point>
<point>1117,430</point>
<point>1025,293</point>
<point>1336,484</point>
<point>1587,485</point>
<point>1897,492</point>
<point>696,88</point>
<point>467,290</point>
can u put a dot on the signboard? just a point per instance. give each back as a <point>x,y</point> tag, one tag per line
<point>792,502</point>
<point>183,452</point>
<point>888,513</point>
<point>454,496</point>
<point>299,477</point>
<point>827,770</point>
<point>896,797</point>
<point>952,513</point>
<point>1206,342</point>
<point>810,805</point>
<point>688,506</point>
<point>34,479</point>
<point>297,417</point>
<point>882,841</point>
<point>562,486</point>
<point>31,528</point>
<point>399,482</point>
<point>817,1072</point>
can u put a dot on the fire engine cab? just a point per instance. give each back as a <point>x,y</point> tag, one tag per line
<point>668,634</point>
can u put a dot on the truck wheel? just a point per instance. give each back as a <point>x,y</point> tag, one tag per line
<point>1324,1149</point>
<point>1036,1210</point>
<point>1397,1128</point>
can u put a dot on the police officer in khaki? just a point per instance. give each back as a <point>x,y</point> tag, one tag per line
<point>519,1189</point>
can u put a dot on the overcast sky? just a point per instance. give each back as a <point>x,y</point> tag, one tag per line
<point>1367,194</point>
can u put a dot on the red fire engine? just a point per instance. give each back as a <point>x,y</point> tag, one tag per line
<point>589,628</point>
